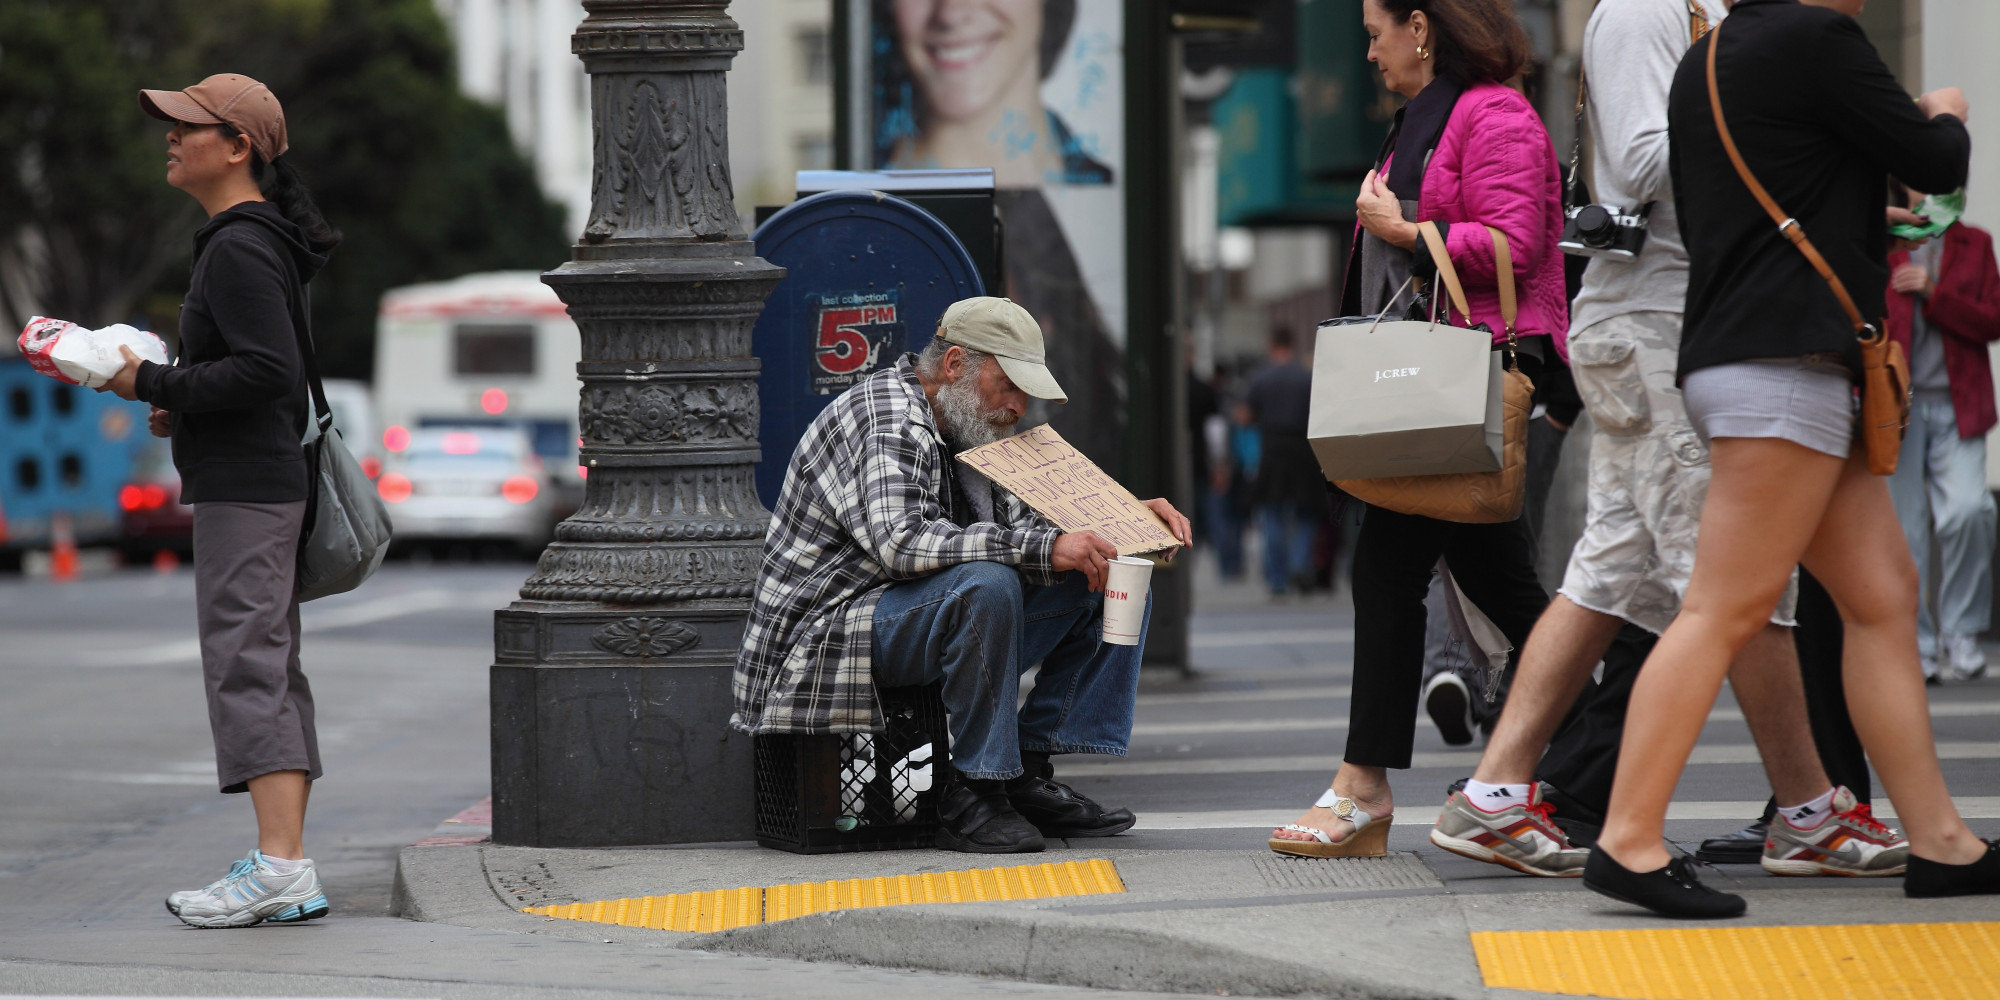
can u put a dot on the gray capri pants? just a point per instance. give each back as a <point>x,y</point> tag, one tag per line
<point>260,707</point>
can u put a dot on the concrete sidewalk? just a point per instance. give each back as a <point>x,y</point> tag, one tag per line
<point>1217,759</point>
<point>1233,921</point>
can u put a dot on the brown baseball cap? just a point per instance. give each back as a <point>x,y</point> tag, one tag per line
<point>225,98</point>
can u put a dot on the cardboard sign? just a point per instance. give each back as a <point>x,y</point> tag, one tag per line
<point>1060,484</point>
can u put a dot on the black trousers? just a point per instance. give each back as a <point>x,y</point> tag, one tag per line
<point>1393,557</point>
<point>1583,758</point>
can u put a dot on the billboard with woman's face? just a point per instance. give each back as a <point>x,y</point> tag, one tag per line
<point>1033,89</point>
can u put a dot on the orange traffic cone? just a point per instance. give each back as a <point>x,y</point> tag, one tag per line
<point>62,550</point>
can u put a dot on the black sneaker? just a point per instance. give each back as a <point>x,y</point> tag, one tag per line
<point>1448,701</point>
<point>1744,847</point>
<point>1927,879</point>
<point>1673,891</point>
<point>975,817</point>
<point>1059,810</point>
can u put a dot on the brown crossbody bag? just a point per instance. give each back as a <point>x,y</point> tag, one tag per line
<point>1885,373</point>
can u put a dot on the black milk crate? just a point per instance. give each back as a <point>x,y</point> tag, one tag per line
<point>865,792</point>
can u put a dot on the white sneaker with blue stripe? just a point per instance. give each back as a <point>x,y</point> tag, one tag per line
<point>252,893</point>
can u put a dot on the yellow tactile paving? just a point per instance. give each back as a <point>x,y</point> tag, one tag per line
<point>1859,961</point>
<point>722,909</point>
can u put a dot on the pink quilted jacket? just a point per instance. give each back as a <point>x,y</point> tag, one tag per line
<point>1495,166</point>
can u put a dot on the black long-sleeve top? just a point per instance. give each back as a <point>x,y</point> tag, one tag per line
<point>1822,124</point>
<point>238,390</point>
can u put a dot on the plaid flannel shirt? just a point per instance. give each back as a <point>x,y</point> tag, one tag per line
<point>870,498</point>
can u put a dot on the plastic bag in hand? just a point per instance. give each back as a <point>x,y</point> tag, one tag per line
<point>69,353</point>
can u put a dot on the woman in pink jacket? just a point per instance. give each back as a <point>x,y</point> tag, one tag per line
<point>1467,153</point>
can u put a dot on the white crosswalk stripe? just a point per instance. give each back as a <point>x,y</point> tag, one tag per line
<point>1728,753</point>
<point>1214,727</point>
<point>1971,807</point>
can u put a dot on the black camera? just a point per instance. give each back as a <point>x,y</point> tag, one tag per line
<point>1604,231</point>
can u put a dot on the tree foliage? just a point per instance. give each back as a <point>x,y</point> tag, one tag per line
<point>423,181</point>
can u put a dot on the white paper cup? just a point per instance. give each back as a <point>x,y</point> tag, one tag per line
<point>1125,599</point>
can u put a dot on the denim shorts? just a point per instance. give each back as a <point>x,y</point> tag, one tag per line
<point>1808,401</point>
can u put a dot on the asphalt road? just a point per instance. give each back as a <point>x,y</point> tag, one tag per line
<point>107,782</point>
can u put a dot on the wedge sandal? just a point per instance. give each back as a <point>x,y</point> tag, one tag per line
<point>1370,838</point>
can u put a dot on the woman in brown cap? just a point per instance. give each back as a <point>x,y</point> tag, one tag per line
<point>236,404</point>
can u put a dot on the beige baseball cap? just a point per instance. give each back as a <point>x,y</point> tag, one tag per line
<point>243,104</point>
<point>1003,329</point>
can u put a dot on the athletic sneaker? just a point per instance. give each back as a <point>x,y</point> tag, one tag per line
<point>175,900</point>
<point>1448,699</point>
<point>1849,842</point>
<point>1968,661</point>
<point>1518,835</point>
<point>252,893</point>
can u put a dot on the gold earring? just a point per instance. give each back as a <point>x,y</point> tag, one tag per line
<point>1423,53</point>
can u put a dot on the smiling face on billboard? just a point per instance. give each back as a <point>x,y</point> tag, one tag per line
<point>968,55</point>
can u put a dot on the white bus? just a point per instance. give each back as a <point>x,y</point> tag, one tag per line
<point>484,350</point>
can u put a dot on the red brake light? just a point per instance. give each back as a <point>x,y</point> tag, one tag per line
<point>371,466</point>
<point>130,497</point>
<point>493,401</point>
<point>154,495</point>
<point>394,487</point>
<point>519,489</point>
<point>396,439</point>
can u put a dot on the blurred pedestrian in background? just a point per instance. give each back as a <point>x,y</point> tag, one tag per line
<point>1768,361</point>
<point>237,406</point>
<point>1289,492</point>
<point>1944,308</point>
<point>1467,153</point>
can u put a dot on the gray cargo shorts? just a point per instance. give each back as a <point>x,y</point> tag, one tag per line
<point>1648,475</point>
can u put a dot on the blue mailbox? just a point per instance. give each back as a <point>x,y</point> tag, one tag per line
<point>868,276</point>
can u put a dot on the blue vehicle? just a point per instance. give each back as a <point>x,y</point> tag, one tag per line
<point>63,449</point>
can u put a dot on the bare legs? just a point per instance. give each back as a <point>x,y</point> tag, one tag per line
<point>1772,691</point>
<point>1760,519</point>
<point>1566,644</point>
<point>280,801</point>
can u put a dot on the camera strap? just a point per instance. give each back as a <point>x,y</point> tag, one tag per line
<point>1575,195</point>
<point>1786,224</point>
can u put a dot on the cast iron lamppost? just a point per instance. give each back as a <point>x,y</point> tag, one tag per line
<point>611,675</point>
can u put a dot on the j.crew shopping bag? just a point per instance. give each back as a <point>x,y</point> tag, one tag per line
<point>1405,398</point>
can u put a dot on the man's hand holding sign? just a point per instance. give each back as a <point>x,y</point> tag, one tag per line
<point>1101,520</point>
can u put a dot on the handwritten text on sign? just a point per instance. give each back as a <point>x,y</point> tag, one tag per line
<point>1060,484</point>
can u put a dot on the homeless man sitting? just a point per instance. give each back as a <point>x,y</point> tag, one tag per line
<point>890,563</point>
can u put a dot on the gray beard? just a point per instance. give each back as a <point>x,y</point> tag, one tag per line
<point>965,426</point>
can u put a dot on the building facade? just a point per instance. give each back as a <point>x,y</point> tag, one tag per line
<point>515,55</point>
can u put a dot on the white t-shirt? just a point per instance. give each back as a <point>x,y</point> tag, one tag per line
<point>1631,49</point>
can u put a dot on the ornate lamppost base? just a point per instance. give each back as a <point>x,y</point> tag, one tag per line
<point>611,676</point>
<point>608,726</point>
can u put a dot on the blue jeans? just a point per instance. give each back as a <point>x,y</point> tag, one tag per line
<point>1290,531</point>
<point>1940,487</point>
<point>979,627</point>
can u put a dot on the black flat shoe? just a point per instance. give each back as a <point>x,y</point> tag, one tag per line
<point>974,817</point>
<point>1744,847</point>
<point>1673,891</point>
<point>1927,879</point>
<point>1058,810</point>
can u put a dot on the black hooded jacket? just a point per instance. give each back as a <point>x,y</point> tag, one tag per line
<point>238,391</point>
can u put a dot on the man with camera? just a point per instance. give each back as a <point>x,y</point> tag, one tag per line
<point>1649,475</point>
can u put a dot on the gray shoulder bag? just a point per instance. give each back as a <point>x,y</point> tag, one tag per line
<point>346,533</point>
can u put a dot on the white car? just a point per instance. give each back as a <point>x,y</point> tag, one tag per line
<point>469,484</point>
